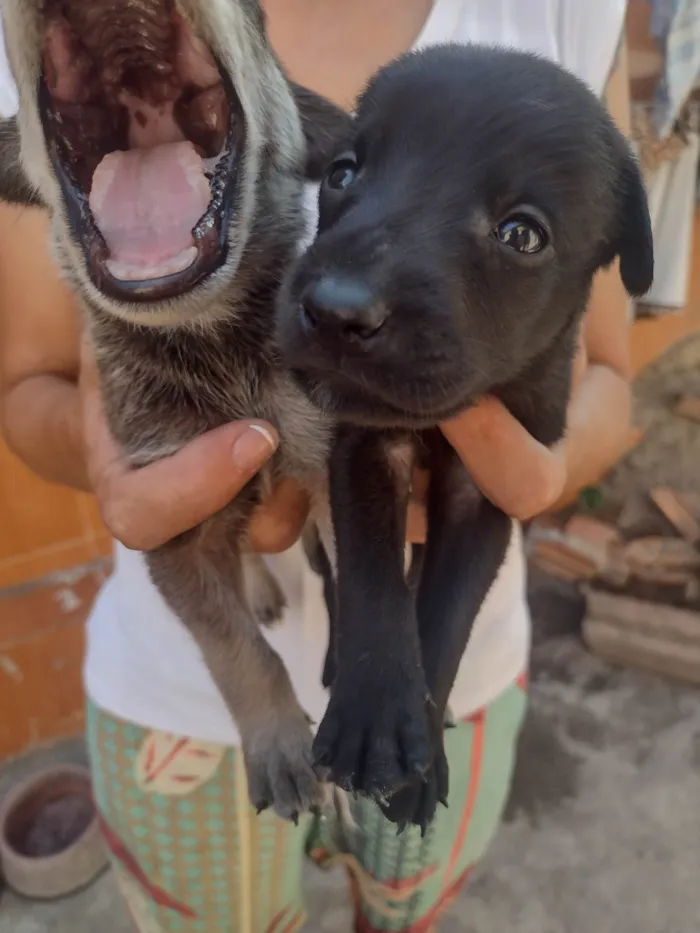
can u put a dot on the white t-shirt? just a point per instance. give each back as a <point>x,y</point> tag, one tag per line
<point>143,666</point>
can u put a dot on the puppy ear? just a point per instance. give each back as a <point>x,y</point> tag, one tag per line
<point>326,127</point>
<point>634,242</point>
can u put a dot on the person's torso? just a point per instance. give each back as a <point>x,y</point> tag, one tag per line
<point>142,664</point>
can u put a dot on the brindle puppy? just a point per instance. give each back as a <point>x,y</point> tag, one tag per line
<point>165,141</point>
<point>460,231</point>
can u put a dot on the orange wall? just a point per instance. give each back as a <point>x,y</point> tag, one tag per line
<point>44,530</point>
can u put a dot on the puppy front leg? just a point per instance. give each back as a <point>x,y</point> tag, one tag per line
<point>467,542</point>
<point>375,735</point>
<point>201,577</point>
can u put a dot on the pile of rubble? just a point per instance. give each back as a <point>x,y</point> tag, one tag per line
<point>640,572</point>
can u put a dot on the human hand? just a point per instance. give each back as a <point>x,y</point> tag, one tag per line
<point>146,507</point>
<point>517,473</point>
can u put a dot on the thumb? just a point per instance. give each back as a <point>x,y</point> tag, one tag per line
<point>150,505</point>
<point>144,507</point>
<point>512,469</point>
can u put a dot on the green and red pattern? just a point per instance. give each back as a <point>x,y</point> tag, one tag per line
<point>191,856</point>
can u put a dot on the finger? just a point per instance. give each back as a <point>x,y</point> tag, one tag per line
<point>416,524</point>
<point>148,506</point>
<point>277,524</point>
<point>513,470</point>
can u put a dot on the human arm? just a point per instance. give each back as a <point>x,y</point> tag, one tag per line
<point>52,418</point>
<point>39,353</point>
<point>522,476</point>
<point>511,468</point>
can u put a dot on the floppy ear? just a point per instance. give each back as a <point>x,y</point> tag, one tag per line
<point>326,127</point>
<point>634,243</point>
<point>14,186</point>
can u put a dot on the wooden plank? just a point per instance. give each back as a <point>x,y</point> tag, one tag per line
<point>627,648</point>
<point>637,616</point>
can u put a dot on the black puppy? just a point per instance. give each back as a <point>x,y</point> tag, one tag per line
<point>459,234</point>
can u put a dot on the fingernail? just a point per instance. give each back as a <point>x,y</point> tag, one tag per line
<point>253,448</point>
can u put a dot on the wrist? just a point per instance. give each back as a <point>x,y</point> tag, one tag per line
<point>599,430</point>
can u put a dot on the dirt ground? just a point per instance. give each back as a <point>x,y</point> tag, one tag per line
<point>602,833</point>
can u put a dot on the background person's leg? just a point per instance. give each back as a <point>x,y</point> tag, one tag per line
<point>403,883</point>
<point>189,852</point>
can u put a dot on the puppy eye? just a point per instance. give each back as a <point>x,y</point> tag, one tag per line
<point>522,234</point>
<point>342,173</point>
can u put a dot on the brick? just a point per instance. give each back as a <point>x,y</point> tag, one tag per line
<point>592,530</point>
<point>554,550</point>
<point>558,570</point>
<point>665,561</point>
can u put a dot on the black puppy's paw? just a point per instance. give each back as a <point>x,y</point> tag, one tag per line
<point>416,804</point>
<point>375,737</point>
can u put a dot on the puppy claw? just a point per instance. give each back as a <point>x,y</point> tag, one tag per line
<point>379,798</point>
<point>261,807</point>
<point>443,801</point>
<point>294,817</point>
<point>401,827</point>
<point>278,768</point>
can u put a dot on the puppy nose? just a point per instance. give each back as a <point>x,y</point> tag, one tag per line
<point>345,306</point>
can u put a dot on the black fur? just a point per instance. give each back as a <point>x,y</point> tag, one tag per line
<point>422,310</point>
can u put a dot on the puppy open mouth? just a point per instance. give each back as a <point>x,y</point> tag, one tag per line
<point>145,132</point>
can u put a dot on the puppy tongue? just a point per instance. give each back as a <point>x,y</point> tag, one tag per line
<point>145,203</point>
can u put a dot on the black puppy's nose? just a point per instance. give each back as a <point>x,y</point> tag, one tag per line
<point>344,306</point>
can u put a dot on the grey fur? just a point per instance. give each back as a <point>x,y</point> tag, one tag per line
<point>173,370</point>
